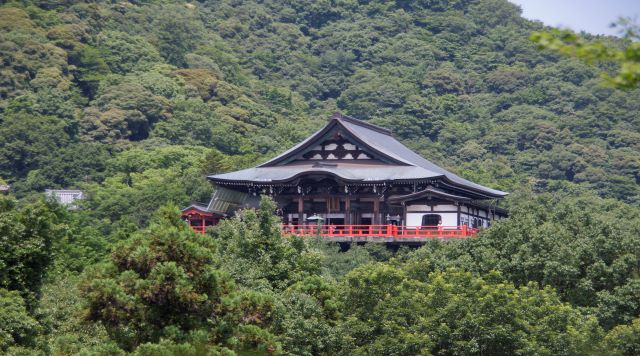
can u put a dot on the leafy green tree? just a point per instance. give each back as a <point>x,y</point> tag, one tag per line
<point>391,311</point>
<point>28,140</point>
<point>27,236</point>
<point>26,52</point>
<point>177,31</point>
<point>92,68</point>
<point>624,339</point>
<point>256,254</point>
<point>81,162</point>
<point>124,53</point>
<point>626,57</point>
<point>134,110</point>
<point>583,247</point>
<point>306,316</point>
<point>163,283</point>
<point>17,326</point>
<point>59,311</point>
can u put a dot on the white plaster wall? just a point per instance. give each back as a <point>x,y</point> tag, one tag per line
<point>414,219</point>
<point>448,219</point>
<point>418,208</point>
<point>445,207</point>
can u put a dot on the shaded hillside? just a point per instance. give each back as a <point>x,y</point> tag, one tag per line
<point>457,81</point>
<point>135,101</point>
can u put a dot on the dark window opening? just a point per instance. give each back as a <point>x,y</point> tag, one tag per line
<point>431,220</point>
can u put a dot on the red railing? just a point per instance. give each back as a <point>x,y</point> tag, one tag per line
<point>199,228</point>
<point>381,231</point>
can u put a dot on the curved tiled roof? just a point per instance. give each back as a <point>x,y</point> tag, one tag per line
<point>398,161</point>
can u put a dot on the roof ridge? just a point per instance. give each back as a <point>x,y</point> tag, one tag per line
<point>339,116</point>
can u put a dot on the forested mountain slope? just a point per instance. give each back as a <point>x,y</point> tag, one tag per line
<point>83,83</point>
<point>134,102</point>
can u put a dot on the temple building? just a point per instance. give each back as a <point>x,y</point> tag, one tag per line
<point>66,197</point>
<point>353,181</point>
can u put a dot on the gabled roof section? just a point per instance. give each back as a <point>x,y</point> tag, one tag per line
<point>338,124</point>
<point>376,140</point>
<point>202,208</point>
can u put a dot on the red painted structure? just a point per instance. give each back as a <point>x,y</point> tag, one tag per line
<point>199,219</point>
<point>380,231</point>
<point>404,233</point>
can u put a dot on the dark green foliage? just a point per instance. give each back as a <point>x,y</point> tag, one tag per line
<point>624,339</point>
<point>134,102</point>
<point>60,313</point>
<point>27,236</point>
<point>586,248</point>
<point>128,293</point>
<point>306,317</point>
<point>460,80</point>
<point>17,326</point>
<point>27,142</point>
<point>76,163</point>
<point>454,313</point>
<point>255,253</point>
<point>163,283</point>
<point>125,53</point>
<point>150,178</point>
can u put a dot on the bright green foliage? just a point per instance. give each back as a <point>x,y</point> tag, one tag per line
<point>586,248</point>
<point>255,253</point>
<point>626,58</point>
<point>28,140</point>
<point>141,180</point>
<point>306,318</point>
<point>163,283</point>
<point>624,339</point>
<point>134,102</point>
<point>17,326</point>
<point>27,236</point>
<point>454,313</point>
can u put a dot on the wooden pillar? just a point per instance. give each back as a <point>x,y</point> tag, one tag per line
<point>459,209</point>
<point>376,212</point>
<point>300,210</point>
<point>404,214</point>
<point>347,211</point>
<point>328,207</point>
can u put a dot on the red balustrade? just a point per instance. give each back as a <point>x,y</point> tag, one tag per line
<point>381,231</point>
<point>199,228</point>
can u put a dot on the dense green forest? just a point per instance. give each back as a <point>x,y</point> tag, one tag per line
<point>134,102</point>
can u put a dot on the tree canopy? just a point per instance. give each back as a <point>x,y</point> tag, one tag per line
<point>134,102</point>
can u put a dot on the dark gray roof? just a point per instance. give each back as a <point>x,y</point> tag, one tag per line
<point>386,143</point>
<point>348,171</point>
<point>400,162</point>
<point>203,208</point>
<point>424,193</point>
<point>227,200</point>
